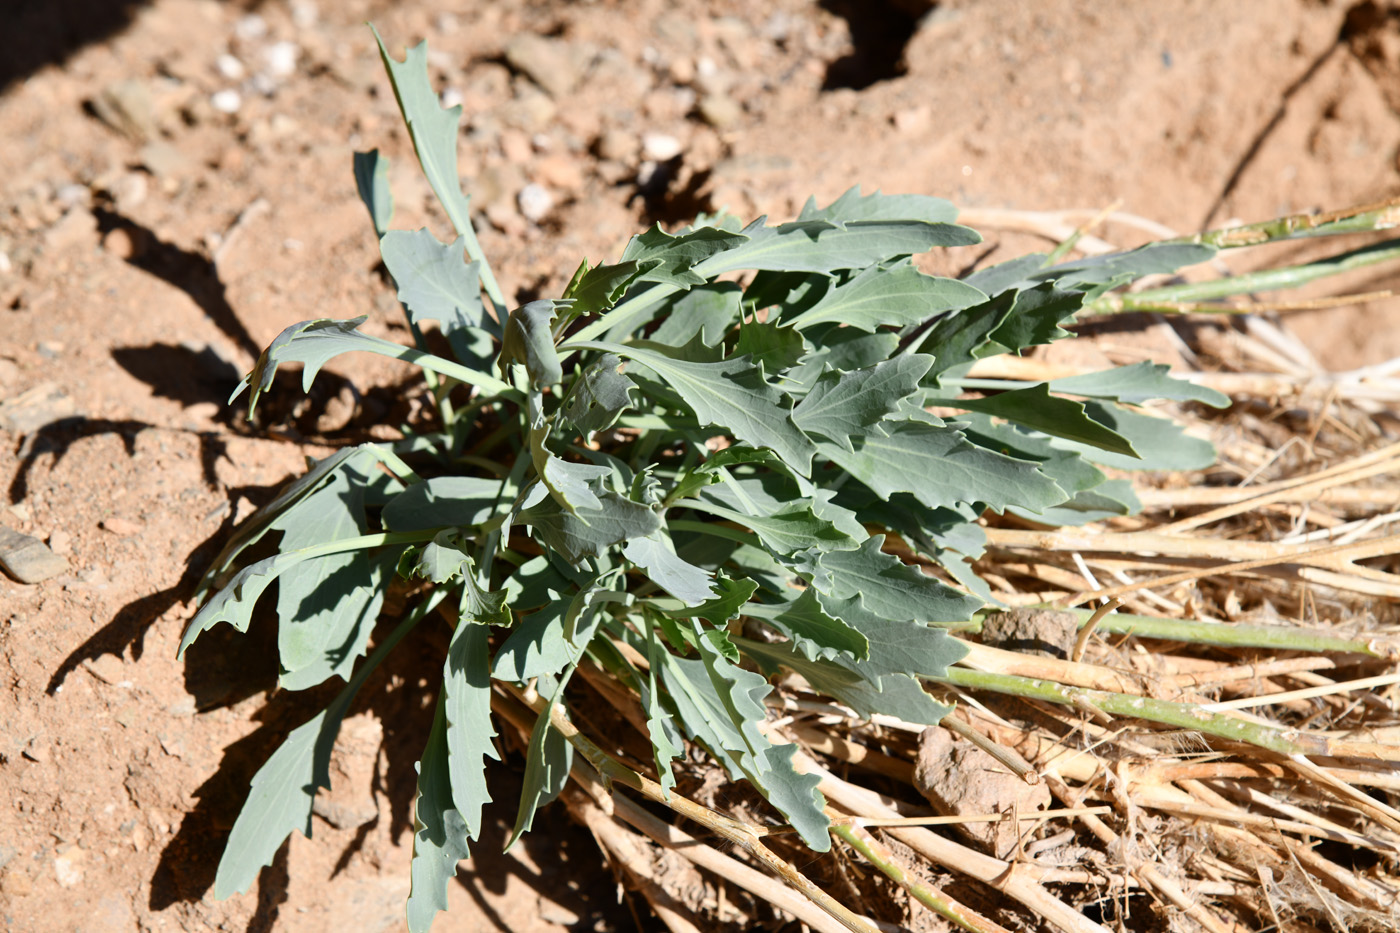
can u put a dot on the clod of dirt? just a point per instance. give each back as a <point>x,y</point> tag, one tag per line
<point>550,63</point>
<point>126,106</point>
<point>960,779</point>
<point>28,559</point>
<point>1044,632</point>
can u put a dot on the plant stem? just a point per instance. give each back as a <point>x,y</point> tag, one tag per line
<point>1187,716</point>
<point>1364,219</point>
<point>932,898</point>
<point>1275,637</point>
<point>1264,280</point>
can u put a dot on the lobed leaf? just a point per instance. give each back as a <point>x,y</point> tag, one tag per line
<point>372,182</point>
<point>852,206</point>
<point>1136,383</point>
<point>466,705</point>
<point>824,246</point>
<point>1036,408</point>
<point>880,297</point>
<point>840,406</point>
<point>439,829</point>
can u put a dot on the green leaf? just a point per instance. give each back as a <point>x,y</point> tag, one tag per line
<point>671,258</point>
<point>666,741</point>
<point>547,760</point>
<point>372,181</point>
<point>773,347</point>
<point>1107,500</point>
<point>1139,382</point>
<point>1036,317</point>
<point>1119,268</point>
<point>1162,444</point>
<point>478,604</point>
<point>595,290</point>
<point>600,395</point>
<point>958,338</point>
<point>940,467</point>
<point>284,789</point>
<point>889,589</point>
<point>571,484</point>
<point>709,310</point>
<point>816,634</point>
<point>740,692</point>
<point>731,394</point>
<point>841,405</point>
<point>897,296</point>
<point>443,558</point>
<point>895,695</point>
<point>432,128</point>
<point>1036,408</point>
<point>731,596</point>
<point>529,340</point>
<point>439,830</point>
<point>823,246</point>
<point>656,556</point>
<point>1068,469</point>
<point>790,528</point>
<point>466,692</point>
<point>588,532</point>
<point>877,206</point>
<point>537,647</point>
<point>435,280</point>
<point>235,601</point>
<point>444,501</point>
<point>841,349</point>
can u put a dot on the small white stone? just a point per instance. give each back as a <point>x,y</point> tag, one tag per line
<point>660,147</point>
<point>251,26</point>
<point>451,97</point>
<point>535,202</point>
<point>6,267</point>
<point>226,101</point>
<point>230,67</point>
<point>304,13</point>
<point>280,58</point>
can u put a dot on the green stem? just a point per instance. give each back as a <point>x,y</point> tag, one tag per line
<point>1187,716</point>
<point>1226,634</point>
<point>360,543</point>
<point>624,313</point>
<point>1295,226</point>
<point>1158,299</point>
<point>932,898</point>
<point>711,528</point>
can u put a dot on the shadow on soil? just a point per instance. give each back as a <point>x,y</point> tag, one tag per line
<point>560,861</point>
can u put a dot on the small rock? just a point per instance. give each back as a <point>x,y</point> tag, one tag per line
<point>73,195</point>
<point>660,147</point>
<point>121,527</point>
<point>911,120</point>
<point>616,146</point>
<point>550,63</point>
<point>494,185</point>
<point>230,67</point>
<point>129,192</point>
<point>6,265</point>
<point>124,243</point>
<point>33,408</point>
<point>515,146</point>
<point>958,778</point>
<point>164,160</point>
<point>36,751</point>
<point>20,510</point>
<point>560,171</point>
<point>9,372</point>
<point>250,27</point>
<point>76,228</point>
<point>127,107</point>
<point>720,110</point>
<point>535,202</point>
<point>61,543</point>
<point>15,883</point>
<point>50,349</point>
<point>304,13</point>
<point>280,59</point>
<point>1043,632</point>
<point>28,559</point>
<point>68,868</point>
<point>226,101</point>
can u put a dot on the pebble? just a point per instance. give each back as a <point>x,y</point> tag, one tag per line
<point>73,195</point>
<point>660,147</point>
<point>226,101</point>
<point>163,160</point>
<point>121,527</point>
<point>912,119</point>
<point>75,228</point>
<point>9,372</point>
<point>304,13</point>
<point>535,202</point>
<point>61,543</point>
<point>28,559</point>
<point>550,63</point>
<point>560,171</point>
<point>720,110</point>
<point>68,868</point>
<point>250,27</point>
<point>121,243</point>
<point>129,192</point>
<point>280,58</point>
<point>127,107</point>
<point>230,67</point>
<point>6,265</point>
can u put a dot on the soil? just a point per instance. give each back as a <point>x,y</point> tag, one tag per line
<point>156,230</point>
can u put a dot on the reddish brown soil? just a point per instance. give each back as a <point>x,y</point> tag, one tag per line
<point>122,769</point>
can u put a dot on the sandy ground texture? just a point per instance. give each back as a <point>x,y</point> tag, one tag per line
<point>175,188</point>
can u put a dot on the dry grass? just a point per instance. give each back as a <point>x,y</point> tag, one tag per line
<point>1225,754</point>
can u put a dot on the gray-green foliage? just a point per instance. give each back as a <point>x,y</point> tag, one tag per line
<point>706,471</point>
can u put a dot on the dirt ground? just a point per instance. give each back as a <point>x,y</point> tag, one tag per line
<point>175,189</point>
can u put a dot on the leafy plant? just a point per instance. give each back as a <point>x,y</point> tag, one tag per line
<point>692,470</point>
